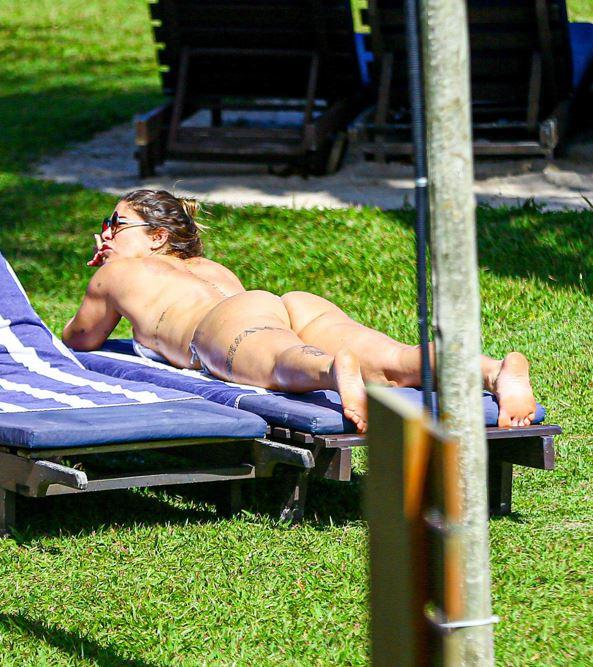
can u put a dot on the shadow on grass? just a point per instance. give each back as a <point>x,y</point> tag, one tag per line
<point>33,127</point>
<point>69,642</point>
<point>86,514</point>
<point>328,504</point>
<point>555,248</point>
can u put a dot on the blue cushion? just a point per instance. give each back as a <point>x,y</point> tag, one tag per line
<point>194,418</point>
<point>48,399</point>
<point>317,412</point>
<point>581,45</point>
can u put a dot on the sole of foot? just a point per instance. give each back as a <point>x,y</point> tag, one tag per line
<point>350,386</point>
<point>516,404</point>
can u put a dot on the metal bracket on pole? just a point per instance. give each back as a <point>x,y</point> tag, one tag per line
<point>445,627</point>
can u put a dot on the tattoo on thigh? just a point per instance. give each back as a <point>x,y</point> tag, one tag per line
<point>238,340</point>
<point>310,349</point>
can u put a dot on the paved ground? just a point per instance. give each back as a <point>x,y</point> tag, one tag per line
<point>106,163</point>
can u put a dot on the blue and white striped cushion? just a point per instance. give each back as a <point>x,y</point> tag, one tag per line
<point>48,399</point>
<point>38,372</point>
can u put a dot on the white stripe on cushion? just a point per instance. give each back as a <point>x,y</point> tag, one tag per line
<point>28,357</point>
<point>56,341</point>
<point>9,407</point>
<point>35,392</point>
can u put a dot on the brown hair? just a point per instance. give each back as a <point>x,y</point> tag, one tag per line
<point>161,209</point>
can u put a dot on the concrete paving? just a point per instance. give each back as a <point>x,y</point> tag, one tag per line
<point>106,163</point>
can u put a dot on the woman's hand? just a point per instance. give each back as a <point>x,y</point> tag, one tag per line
<point>98,258</point>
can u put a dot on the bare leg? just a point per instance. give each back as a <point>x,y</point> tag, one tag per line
<point>247,339</point>
<point>386,361</point>
<point>321,323</point>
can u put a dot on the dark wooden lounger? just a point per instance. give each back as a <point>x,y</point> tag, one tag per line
<point>252,55</point>
<point>35,473</point>
<point>40,473</point>
<point>532,447</point>
<point>521,77</point>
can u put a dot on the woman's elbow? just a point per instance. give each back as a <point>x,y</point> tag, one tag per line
<point>79,340</point>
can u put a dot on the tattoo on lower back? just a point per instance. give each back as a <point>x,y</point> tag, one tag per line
<point>238,340</point>
<point>158,324</point>
<point>310,349</point>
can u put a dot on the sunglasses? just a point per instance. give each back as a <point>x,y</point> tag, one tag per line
<point>116,224</point>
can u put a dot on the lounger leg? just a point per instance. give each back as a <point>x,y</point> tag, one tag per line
<point>7,512</point>
<point>216,117</point>
<point>293,507</point>
<point>500,486</point>
<point>231,500</point>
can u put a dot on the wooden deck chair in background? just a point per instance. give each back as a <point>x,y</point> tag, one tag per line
<point>258,56</point>
<point>521,78</point>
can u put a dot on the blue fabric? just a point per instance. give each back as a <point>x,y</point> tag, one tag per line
<point>44,386</point>
<point>37,372</point>
<point>194,418</point>
<point>581,44</point>
<point>364,57</point>
<point>315,412</point>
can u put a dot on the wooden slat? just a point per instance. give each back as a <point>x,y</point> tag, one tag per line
<point>255,151</point>
<point>197,134</point>
<point>495,433</point>
<point>504,35</point>
<point>246,16</point>
<point>162,478</point>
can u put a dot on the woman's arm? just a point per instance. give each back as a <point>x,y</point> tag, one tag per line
<point>96,318</point>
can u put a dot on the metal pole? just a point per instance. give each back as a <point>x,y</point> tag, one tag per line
<point>456,309</point>
<point>420,192</point>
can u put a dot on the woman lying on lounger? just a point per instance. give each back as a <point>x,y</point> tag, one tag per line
<point>197,314</point>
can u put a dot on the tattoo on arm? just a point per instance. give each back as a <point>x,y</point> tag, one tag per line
<point>238,340</point>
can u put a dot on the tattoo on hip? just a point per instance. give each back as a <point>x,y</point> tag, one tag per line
<point>310,349</point>
<point>238,340</point>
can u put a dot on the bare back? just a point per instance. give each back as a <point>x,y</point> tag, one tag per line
<point>166,298</point>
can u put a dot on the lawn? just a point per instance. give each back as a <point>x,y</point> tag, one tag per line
<point>155,578</point>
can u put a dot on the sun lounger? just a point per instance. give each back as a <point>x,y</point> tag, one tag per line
<point>292,64</point>
<point>57,404</point>
<point>315,420</point>
<point>527,67</point>
<point>54,414</point>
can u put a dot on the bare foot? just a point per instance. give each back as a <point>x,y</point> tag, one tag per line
<point>349,384</point>
<point>516,404</point>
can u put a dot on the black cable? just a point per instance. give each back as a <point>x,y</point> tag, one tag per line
<point>415,80</point>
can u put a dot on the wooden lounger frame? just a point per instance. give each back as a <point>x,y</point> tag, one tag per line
<point>531,446</point>
<point>296,56</point>
<point>35,473</point>
<point>521,100</point>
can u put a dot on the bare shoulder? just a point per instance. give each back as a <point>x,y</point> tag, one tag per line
<point>113,273</point>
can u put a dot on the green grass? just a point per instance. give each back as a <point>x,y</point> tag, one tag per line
<point>71,68</point>
<point>536,298</point>
<point>580,10</point>
<point>154,578</point>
